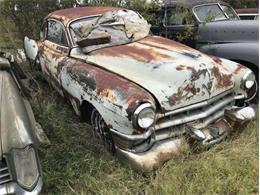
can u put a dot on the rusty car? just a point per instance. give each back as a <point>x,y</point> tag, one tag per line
<point>20,171</point>
<point>144,95</point>
<point>210,26</point>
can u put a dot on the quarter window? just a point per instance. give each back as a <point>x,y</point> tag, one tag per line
<point>56,33</point>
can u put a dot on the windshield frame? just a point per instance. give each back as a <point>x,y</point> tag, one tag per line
<point>208,4</point>
<point>68,27</point>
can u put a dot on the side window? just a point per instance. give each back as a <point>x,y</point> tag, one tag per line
<point>56,33</point>
<point>229,11</point>
<point>179,16</point>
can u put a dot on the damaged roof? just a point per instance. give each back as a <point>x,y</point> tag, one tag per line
<point>67,15</point>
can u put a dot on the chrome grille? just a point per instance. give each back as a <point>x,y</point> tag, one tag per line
<point>5,175</point>
<point>201,114</point>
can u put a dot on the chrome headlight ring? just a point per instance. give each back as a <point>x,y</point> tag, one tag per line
<point>249,84</point>
<point>144,116</point>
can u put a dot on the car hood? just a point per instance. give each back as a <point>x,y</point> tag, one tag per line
<point>14,121</point>
<point>229,31</point>
<point>176,75</point>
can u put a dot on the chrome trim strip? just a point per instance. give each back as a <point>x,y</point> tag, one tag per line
<point>195,106</point>
<point>5,181</point>
<point>3,169</point>
<point>144,136</point>
<point>196,115</point>
<point>4,175</point>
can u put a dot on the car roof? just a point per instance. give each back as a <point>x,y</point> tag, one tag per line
<point>67,15</point>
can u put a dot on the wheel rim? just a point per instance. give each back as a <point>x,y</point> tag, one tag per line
<point>101,131</point>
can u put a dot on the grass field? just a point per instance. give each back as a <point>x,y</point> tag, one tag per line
<point>76,163</point>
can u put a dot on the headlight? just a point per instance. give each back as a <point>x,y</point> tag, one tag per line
<point>249,79</point>
<point>250,85</point>
<point>144,116</point>
<point>26,167</point>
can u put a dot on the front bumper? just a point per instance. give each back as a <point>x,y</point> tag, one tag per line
<point>14,188</point>
<point>158,152</point>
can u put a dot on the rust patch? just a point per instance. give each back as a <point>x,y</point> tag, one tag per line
<point>133,51</point>
<point>82,76</point>
<point>239,68</point>
<point>195,74</point>
<point>223,80</point>
<point>109,95</point>
<point>66,15</point>
<point>180,67</point>
<point>216,59</point>
<point>106,83</point>
<point>183,94</point>
<point>164,43</point>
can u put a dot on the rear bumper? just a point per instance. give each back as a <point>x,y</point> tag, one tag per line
<point>145,153</point>
<point>14,188</point>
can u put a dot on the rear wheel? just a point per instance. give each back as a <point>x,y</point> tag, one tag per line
<point>101,130</point>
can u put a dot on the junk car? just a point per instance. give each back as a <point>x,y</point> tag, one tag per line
<point>20,171</point>
<point>143,94</point>
<point>212,27</point>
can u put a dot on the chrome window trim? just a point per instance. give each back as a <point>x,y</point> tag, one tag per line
<point>234,11</point>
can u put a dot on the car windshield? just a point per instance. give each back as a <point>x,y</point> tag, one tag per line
<point>209,13</point>
<point>122,26</point>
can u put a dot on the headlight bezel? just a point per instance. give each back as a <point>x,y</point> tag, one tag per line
<point>18,166</point>
<point>249,84</point>
<point>141,108</point>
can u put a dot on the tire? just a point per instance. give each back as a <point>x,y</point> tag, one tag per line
<point>101,130</point>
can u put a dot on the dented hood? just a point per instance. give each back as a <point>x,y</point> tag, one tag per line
<point>14,121</point>
<point>175,74</point>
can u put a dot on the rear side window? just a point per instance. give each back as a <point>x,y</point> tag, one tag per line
<point>56,33</point>
<point>179,16</point>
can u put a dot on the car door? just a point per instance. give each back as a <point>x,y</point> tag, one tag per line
<point>180,24</point>
<point>53,51</point>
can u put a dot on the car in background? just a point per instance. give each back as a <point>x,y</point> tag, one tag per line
<point>143,94</point>
<point>248,13</point>
<point>212,27</point>
<point>20,171</point>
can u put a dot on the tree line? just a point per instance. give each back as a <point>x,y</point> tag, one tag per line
<point>27,15</point>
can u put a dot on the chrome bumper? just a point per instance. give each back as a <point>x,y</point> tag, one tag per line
<point>153,158</point>
<point>160,151</point>
<point>14,188</point>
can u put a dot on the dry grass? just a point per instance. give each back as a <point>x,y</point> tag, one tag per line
<point>76,163</point>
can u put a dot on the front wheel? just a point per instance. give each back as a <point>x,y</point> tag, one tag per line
<point>101,130</point>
